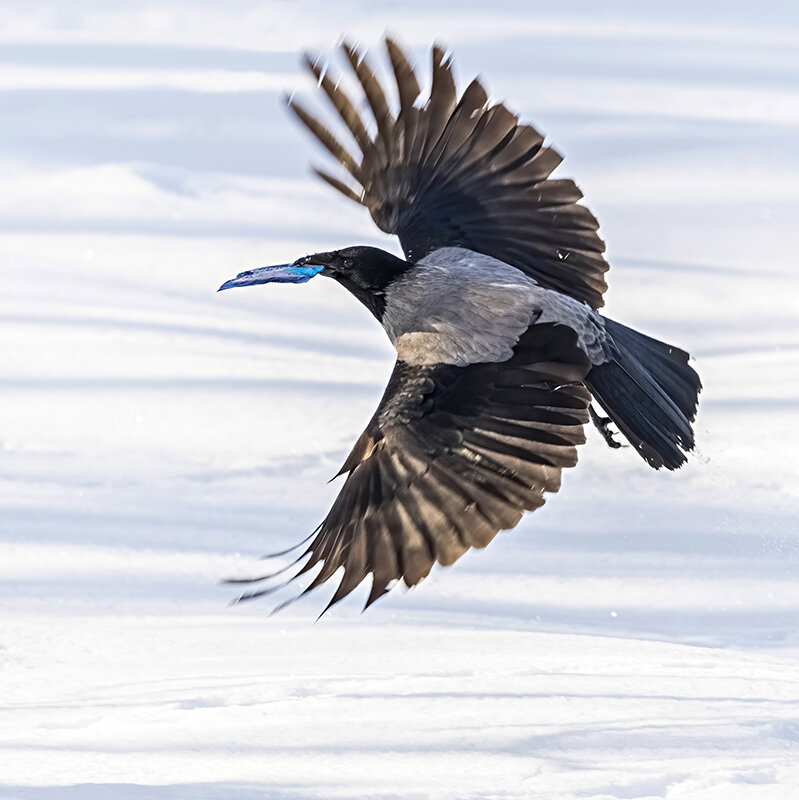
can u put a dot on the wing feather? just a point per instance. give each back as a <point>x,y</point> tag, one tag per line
<point>326,138</point>
<point>340,100</point>
<point>342,187</point>
<point>452,456</point>
<point>375,96</point>
<point>457,171</point>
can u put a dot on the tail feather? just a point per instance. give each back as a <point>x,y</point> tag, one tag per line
<point>650,392</point>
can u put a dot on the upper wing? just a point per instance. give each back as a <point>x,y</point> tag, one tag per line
<point>460,172</point>
<point>452,456</point>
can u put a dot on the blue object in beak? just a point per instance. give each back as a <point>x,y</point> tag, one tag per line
<point>282,273</point>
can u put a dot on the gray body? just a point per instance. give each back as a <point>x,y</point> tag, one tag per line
<point>456,306</point>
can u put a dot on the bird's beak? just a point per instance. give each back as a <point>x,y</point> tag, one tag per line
<point>282,273</point>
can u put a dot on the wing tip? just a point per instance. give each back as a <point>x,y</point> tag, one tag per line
<point>313,62</point>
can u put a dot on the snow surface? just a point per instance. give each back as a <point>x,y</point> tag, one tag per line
<point>636,638</point>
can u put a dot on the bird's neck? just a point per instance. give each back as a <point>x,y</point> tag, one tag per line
<point>374,300</point>
<point>371,276</point>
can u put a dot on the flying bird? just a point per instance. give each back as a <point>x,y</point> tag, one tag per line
<point>493,312</point>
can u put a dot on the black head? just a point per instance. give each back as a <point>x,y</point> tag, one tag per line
<point>365,271</point>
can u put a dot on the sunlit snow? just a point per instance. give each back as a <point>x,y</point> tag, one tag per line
<point>636,638</point>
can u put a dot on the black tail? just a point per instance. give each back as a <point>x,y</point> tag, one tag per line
<point>651,394</point>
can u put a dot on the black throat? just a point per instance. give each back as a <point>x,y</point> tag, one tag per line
<point>367,272</point>
<point>374,300</point>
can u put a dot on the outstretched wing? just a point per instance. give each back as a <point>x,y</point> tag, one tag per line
<point>452,456</point>
<point>460,172</point>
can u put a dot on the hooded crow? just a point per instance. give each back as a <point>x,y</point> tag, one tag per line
<point>493,314</point>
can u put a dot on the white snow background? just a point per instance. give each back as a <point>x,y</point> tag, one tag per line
<point>636,638</point>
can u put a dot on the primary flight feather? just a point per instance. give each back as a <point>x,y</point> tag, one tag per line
<point>493,314</point>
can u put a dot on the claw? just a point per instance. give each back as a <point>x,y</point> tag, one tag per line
<point>603,425</point>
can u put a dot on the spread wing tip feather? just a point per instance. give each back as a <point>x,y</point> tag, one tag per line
<point>423,488</point>
<point>431,173</point>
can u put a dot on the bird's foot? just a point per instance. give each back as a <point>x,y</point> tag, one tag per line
<point>603,425</point>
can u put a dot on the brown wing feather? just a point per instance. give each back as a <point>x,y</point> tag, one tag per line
<point>461,172</point>
<point>452,456</point>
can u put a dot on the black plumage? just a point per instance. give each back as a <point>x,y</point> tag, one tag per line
<point>493,315</point>
<point>654,413</point>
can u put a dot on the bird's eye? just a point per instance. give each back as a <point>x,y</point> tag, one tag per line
<point>347,263</point>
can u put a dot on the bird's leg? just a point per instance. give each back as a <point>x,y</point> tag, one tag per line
<point>603,425</point>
